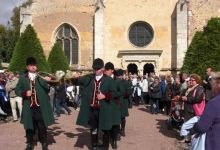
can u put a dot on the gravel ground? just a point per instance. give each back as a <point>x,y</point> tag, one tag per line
<point>143,132</point>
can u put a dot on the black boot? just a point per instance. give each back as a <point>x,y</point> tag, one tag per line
<point>114,144</point>
<point>94,140</point>
<point>106,139</point>
<point>44,146</point>
<point>30,146</point>
<point>123,127</point>
<point>118,137</point>
<point>123,132</point>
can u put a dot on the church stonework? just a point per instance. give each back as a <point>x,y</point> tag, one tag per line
<point>123,32</point>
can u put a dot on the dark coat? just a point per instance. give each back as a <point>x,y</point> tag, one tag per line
<point>107,88</point>
<point>61,91</point>
<point>207,88</point>
<point>116,103</point>
<point>209,123</point>
<point>176,89</point>
<point>127,91</point>
<point>169,92</point>
<point>42,95</point>
<point>155,91</point>
<point>191,99</point>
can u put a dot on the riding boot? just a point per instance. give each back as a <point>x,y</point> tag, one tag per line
<point>30,146</point>
<point>123,127</point>
<point>94,140</point>
<point>106,139</point>
<point>44,146</point>
<point>114,143</point>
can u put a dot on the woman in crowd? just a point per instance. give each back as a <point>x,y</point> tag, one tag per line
<point>176,86</point>
<point>209,122</point>
<point>155,92</point>
<point>169,94</point>
<point>194,95</point>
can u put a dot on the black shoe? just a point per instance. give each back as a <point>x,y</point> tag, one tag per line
<point>119,137</point>
<point>44,146</point>
<point>114,144</point>
<point>94,140</point>
<point>69,112</point>
<point>123,132</point>
<point>29,146</point>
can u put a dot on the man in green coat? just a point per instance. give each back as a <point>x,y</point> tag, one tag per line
<point>126,91</point>
<point>36,112</point>
<point>115,104</point>
<point>95,110</point>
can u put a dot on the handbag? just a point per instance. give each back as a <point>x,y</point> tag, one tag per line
<point>199,108</point>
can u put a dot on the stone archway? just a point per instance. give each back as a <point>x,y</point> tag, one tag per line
<point>132,68</point>
<point>148,68</point>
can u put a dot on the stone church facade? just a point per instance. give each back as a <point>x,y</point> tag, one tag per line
<point>140,32</point>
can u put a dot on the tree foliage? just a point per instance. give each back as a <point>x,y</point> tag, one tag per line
<point>204,50</point>
<point>57,59</point>
<point>28,45</point>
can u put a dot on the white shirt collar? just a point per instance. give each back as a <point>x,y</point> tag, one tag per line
<point>98,77</point>
<point>32,76</point>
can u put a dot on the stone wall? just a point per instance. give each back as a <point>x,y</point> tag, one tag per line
<point>119,15</point>
<point>200,11</point>
<point>47,16</point>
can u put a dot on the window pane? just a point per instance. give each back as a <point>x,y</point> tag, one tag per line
<point>140,34</point>
<point>67,49</point>
<point>60,33</point>
<point>67,31</point>
<point>75,51</point>
<point>68,37</point>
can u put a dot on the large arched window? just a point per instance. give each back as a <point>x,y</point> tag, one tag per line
<point>68,37</point>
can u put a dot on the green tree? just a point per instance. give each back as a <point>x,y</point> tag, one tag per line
<point>204,50</point>
<point>1,64</point>
<point>57,59</point>
<point>28,45</point>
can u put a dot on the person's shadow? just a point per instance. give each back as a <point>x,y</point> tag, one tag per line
<point>163,128</point>
<point>83,138</point>
<point>52,132</point>
<point>146,109</point>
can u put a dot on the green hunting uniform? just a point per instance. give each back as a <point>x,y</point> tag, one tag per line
<point>105,112</point>
<point>41,90</point>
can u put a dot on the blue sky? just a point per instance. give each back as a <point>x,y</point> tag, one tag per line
<point>6,7</point>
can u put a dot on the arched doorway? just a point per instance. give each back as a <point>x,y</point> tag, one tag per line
<point>132,68</point>
<point>148,68</point>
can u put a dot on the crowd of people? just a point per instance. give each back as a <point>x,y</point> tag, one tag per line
<point>103,98</point>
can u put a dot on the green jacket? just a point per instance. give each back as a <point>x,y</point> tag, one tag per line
<point>41,89</point>
<point>106,87</point>
<point>115,103</point>
<point>127,91</point>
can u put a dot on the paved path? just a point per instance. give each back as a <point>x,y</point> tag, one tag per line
<point>143,132</point>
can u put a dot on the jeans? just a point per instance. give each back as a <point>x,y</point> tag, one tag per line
<point>78,100</point>
<point>154,105</point>
<point>61,103</point>
<point>13,102</point>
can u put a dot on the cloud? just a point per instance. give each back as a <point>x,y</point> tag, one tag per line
<point>6,7</point>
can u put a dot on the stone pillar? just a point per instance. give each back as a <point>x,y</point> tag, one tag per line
<point>99,30</point>
<point>25,17</point>
<point>182,31</point>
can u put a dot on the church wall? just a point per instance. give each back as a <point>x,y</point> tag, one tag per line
<point>200,11</point>
<point>48,16</point>
<point>119,15</point>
